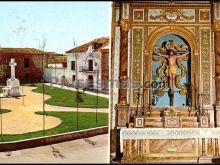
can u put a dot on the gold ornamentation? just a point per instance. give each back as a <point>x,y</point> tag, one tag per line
<point>183,88</point>
<point>216,25</point>
<point>171,15</point>
<point>123,78</point>
<point>123,101</point>
<point>204,15</point>
<point>138,15</point>
<point>159,71</point>
<point>164,68</point>
<point>205,53</point>
<point>125,25</point>
<point>137,59</point>
<point>171,112</point>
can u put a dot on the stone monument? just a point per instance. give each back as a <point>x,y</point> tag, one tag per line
<point>13,85</point>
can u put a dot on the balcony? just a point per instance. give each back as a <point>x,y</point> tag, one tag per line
<point>87,69</point>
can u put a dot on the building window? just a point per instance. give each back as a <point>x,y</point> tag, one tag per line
<point>90,65</point>
<point>7,76</point>
<point>73,65</point>
<point>74,78</point>
<point>27,76</point>
<point>27,63</point>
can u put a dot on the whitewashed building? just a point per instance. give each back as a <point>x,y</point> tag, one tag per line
<point>83,64</point>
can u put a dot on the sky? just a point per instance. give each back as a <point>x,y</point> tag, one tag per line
<point>27,24</point>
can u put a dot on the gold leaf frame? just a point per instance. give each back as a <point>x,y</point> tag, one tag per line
<point>183,88</point>
<point>170,45</point>
<point>160,69</point>
<point>149,46</point>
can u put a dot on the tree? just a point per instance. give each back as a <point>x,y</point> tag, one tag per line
<point>3,69</point>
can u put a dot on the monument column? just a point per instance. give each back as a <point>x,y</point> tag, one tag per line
<point>216,28</point>
<point>13,64</point>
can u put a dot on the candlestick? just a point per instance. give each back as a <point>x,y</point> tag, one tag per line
<point>195,90</point>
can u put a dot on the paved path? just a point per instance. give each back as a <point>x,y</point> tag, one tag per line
<point>78,151</point>
<point>22,118</point>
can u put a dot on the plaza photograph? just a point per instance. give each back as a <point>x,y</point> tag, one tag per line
<point>165,55</point>
<point>54,75</point>
<point>114,82</point>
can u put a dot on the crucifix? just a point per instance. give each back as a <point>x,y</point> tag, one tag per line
<point>171,69</point>
<point>13,64</point>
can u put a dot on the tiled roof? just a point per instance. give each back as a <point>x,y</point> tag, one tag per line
<point>31,51</point>
<point>83,48</point>
<point>57,59</point>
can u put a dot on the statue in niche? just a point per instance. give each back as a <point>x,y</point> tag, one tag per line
<point>171,70</point>
<point>167,72</point>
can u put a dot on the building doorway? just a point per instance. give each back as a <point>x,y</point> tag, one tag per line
<point>90,82</point>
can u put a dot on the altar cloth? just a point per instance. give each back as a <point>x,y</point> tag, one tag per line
<point>167,133</point>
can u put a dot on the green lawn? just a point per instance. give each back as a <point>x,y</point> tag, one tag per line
<point>67,98</point>
<point>86,120</point>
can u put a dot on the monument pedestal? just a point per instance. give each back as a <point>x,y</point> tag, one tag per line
<point>12,89</point>
<point>13,85</point>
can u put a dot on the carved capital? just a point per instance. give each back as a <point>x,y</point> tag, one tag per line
<point>122,78</point>
<point>123,101</point>
<point>217,77</point>
<point>217,103</point>
<point>216,25</point>
<point>125,25</point>
<point>146,52</point>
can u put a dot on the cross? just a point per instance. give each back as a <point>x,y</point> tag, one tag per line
<point>12,64</point>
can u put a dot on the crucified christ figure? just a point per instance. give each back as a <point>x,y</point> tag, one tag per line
<point>171,70</point>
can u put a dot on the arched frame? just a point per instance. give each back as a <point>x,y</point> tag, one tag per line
<point>151,40</point>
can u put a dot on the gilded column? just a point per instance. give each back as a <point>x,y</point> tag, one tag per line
<point>217,59</point>
<point>125,26</point>
<point>122,106</point>
<point>216,28</point>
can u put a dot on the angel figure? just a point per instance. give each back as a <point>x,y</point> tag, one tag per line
<point>171,70</point>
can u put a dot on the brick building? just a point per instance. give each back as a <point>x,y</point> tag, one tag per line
<point>29,62</point>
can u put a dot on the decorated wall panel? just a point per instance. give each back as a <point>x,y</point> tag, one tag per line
<point>206,69</point>
<point>137,63</point>
<point>138,15</point>
<point>177,15</point>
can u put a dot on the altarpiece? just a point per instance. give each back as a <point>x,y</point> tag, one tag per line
<point>166,59</point>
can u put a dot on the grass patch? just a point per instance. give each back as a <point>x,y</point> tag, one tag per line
<point>67,98</point>
<point>86,120</point>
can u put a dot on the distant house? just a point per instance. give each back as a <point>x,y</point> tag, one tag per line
<point>29,63</point>
<point>88,63</point>
<point>84,63</point>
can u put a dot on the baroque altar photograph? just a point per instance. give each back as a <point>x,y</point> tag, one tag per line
<point>165,106</point>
